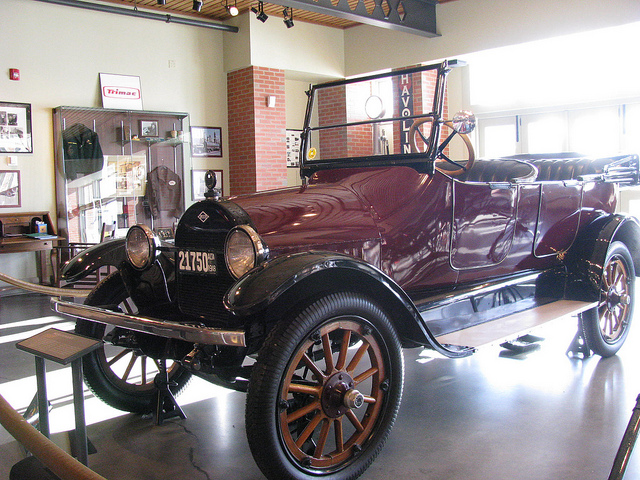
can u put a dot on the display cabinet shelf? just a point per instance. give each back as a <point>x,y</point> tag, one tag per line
<point>119,168</point>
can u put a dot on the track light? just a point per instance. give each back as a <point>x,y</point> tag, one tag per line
<point>232,9</point>
<point>162,2</point>
<point>260,15</point>
<point>197,5</point>
<point>288,16</point>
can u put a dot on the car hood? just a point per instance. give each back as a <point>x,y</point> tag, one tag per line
<point>319,216</point>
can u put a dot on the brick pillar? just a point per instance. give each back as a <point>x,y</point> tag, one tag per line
<point>257,149</point>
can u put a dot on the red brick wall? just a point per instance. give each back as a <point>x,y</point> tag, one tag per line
<point>332,109</point>
<point>354,141</point>
<point>257,149</point>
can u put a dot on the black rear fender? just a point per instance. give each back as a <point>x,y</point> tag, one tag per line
<point>585,261</point>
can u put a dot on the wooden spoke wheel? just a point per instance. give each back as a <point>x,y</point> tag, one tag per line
<point>606,326</point>
<point>336,395</point>
<point>123,376</point>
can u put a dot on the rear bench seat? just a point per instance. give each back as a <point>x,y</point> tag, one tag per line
<point>531,168</point>
<point>501,170</point>
<point>554,169</point>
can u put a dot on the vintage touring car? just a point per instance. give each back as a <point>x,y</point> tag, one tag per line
<point>304,297</point>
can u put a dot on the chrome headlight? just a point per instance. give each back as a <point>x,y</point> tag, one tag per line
<point>243,250</point>
<point>142,246</point>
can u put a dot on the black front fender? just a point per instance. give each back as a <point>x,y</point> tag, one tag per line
<point>112,252</point>
<point>260,288</point>
<point>293,277</point>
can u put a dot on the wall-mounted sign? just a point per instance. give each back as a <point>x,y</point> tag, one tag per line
<point>405,95</point>
<point>293,148</point>
<point>121,91</point>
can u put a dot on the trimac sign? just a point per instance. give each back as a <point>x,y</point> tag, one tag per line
<point>120,91</point>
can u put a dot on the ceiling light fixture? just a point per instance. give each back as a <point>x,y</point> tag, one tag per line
<point>197,5</point>
<point>288,16</point>
<point>162,2</point>
<point>232,9</point>
<point>260,15</point>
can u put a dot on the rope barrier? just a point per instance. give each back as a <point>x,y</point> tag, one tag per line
<point>53,291</point>
<point>57,460</point>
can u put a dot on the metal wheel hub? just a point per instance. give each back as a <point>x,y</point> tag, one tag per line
<point>339,395</point>
<point>615,298</point>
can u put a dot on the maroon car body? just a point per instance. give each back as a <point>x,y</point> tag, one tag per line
<point>388,215</point>
<point>304,296</point>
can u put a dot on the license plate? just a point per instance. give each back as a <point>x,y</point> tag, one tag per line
<point>197,262</point>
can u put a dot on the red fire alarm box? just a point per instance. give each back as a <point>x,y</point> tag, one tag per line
<point>14,74</point>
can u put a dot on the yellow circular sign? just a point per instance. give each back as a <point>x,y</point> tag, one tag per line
<point>311,154</point>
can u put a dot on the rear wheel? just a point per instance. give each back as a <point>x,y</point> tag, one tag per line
<point>325,390</point>
<point>606,326</point>
<point>122,377</point>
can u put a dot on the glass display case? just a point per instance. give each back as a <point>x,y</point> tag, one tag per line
<point>117,168</point>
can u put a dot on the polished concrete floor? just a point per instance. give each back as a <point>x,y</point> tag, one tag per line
<point>543,416</point>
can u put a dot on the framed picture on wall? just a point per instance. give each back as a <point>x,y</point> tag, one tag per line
<point>206,141</point>
<point>198,187</point>
<point>149,128</point>
<point>15,128</point>
<point>293,147</point>
<point>9,188</point>
<point>165,233</point>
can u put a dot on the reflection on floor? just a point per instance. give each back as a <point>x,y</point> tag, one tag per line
<point>546,416</point>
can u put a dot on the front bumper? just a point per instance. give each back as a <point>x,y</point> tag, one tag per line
<point>180,331</point>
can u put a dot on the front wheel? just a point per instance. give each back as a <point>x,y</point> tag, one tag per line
<point>606,326</point>
<point>325,390</point>
<point>122,376</point>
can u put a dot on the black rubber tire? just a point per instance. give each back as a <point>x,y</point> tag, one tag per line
<point>606,326</point>
<point>103,381</point>
<point>338,319</point>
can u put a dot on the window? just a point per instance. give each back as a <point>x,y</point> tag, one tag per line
<point>599,131</point>
<point>595,131</point>
<point>544,133</point>
<point>498,137</point>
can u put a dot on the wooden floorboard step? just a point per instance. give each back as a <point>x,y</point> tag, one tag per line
<point>512,326</point>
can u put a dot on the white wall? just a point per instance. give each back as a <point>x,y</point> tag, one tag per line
<point>307,49</point>
<point>61,50</point>
<point>469,26</point>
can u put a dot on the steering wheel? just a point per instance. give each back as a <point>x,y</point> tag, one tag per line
<point>442,159</point>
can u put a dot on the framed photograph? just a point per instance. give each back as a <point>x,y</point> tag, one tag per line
<point>15,128</point>
<point>293,147</point>
<point>165,233</point>
<point>149,128</point>
<point>9,188</point>
<point>197,183</point>
<point>206,141</point>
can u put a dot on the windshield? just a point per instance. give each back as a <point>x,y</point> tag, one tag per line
<point>372,117</point>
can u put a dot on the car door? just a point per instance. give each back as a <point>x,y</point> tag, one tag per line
<point>558,217</point>
<point>483,224</point>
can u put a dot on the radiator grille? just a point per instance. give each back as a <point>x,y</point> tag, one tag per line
<point>201,295</point>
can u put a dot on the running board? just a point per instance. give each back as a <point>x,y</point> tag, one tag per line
<point>515,325</point>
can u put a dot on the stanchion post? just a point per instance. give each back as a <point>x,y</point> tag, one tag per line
<point>78,408</point>
<point>43,403</point>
